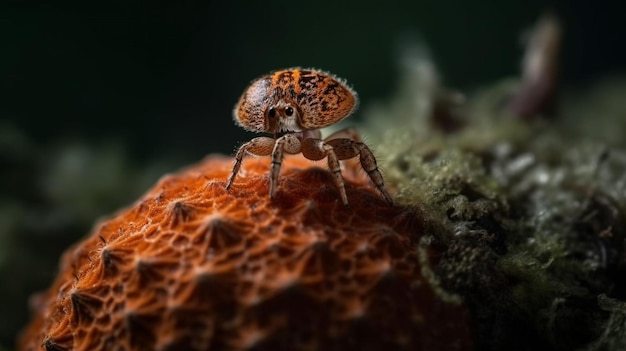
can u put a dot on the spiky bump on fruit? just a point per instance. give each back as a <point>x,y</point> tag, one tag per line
<point>191,266</point>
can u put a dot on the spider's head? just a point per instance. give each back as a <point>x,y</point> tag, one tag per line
<point>283,117</point>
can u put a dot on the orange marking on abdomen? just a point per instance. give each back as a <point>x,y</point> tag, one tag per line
<point>296,81</point>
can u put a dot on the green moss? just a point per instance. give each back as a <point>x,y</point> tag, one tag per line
<point>530,215</point>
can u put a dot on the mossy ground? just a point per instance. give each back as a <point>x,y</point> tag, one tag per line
<point>531,214</point>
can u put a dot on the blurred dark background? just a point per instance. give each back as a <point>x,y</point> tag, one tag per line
<point>165,75</point>
<point>145,83</point>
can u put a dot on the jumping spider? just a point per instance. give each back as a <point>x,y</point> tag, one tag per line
<point>294,104</point>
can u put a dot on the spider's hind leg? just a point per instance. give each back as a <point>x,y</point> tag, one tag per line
<point>347,148</point>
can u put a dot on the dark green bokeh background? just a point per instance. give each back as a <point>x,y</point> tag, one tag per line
<point>161,78</point>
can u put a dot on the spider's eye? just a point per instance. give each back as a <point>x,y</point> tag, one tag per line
<point>271,112</point>
<point>289,111</point>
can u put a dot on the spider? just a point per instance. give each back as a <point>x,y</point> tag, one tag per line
<point>294,104</point>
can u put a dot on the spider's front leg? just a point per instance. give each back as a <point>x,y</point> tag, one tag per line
<point>261,146</point>
<point>288,143</point>
<point>317,149</point>
<point>351,165</point>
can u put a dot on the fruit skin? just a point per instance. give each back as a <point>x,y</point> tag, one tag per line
<point>191,266</point>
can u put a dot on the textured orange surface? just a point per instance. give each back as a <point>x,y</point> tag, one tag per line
<point>191,266</point>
